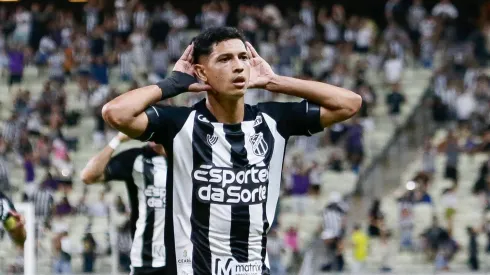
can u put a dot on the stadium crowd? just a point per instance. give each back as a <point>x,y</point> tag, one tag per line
<point>128,44</point>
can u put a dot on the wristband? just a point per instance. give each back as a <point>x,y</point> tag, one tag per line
<point>114,143</point>
<point>175,84</point>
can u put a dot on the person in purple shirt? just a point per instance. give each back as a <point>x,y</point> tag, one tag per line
<point>16,65</point>
<point>354,144</point>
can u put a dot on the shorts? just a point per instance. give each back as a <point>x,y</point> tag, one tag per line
<point>148,271</point>
<point>15,79</point>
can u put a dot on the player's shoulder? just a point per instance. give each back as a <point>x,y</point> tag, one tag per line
<point>277,110</point>
<point>171,110</point>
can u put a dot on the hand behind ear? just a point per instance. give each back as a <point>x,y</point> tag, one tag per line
<point>184,65</point>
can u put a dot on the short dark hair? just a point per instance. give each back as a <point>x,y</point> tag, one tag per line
<point>204,42</point>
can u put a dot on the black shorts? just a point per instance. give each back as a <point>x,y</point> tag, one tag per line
<point>148,271</point>
<point>451,173</point>
<point>15,79</point>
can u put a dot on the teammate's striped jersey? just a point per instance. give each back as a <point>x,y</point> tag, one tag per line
<point>6,206</point>
<point>145,175</point>
<point>225,182</point>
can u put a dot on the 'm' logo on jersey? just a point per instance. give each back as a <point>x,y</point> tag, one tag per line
<point>230,267</point>
<point>244,186</point>
<point>259,146</point>
<point>155,197</point>
<point>212,139</point>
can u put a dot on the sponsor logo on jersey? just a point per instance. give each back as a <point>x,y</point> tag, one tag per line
<point>185,259</point>
<point>220,185</point>
<point>259,146</point>
<point>155,197</point>
<point>211,139</point>
<point>231,267</point>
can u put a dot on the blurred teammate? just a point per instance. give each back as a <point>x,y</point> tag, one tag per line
<point>144,170</point>
<point>225,157</point>
<point>12,221</point>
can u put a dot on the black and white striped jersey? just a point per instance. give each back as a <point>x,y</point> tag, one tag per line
<point>6,206</point>
<point>224,182</point>
<point>145,174</point>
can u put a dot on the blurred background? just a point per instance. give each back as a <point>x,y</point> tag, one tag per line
<point>403,187</point>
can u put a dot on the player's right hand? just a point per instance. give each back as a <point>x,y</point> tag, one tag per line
<point>184,65</point>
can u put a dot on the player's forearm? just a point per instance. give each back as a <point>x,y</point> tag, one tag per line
<point>94,170</point>
<point>123,110</point>
<point>327,96</point>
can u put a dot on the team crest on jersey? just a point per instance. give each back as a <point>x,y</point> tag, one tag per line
<point>259,146</point>
<point>212,139</point>
<point>258,121</point>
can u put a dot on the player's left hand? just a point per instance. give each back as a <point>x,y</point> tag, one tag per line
<point>261,72</point>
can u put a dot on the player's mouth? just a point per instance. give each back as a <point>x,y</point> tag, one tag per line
<point>239,82</point>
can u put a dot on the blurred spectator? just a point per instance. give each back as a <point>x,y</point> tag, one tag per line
<point>62,249</point>
<point>360,243</point>
<point>49,183</point>
<point>376,219</point>
<point>449,202</point>
<point>30,176</point>
<point>406,227</point>
<point>89,255</point>
<point>473,261</point>
<point>64,208</point>
<point>386,251</point>
<point>393,68</point>
<point>16,65</point>
<point>275,247</point>
<point>434,236</point>
<point>395,99</point>
<point>429,158</point>
<point>124,243</point>
<point>333,232</point>
<point>453,150</point>
<point>354,144</point>
<point>291,243</point>
<point>44,206</point>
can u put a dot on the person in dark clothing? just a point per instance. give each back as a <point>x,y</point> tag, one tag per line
<point>375,219</point>
<point>473,250</point>
<point>89,255</point>
<point>395,100</point>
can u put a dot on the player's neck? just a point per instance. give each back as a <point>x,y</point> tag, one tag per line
<point>226,110</point>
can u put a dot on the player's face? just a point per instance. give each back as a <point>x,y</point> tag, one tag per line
<point>226,69</point>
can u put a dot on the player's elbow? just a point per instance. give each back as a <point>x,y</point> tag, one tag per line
<point>87,177</point>
<point>353,104</point>
<point>350,104</point>
<point>114,114</point>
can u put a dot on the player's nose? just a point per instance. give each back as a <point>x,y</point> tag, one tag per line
<point>238,66</point>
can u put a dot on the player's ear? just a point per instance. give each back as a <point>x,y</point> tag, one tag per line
<point>200,72</point>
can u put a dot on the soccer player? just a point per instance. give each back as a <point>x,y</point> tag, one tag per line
<point>225,157</point>
<point>144,170</point>
<point>12,221</point>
